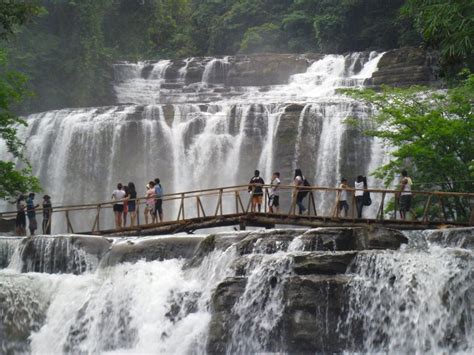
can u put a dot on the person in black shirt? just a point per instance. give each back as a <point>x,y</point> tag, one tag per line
<point>47,211</point>
<point>255,188</point>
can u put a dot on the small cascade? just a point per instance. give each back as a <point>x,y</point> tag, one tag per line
<point>59,254</point>
<point>215,71</point>
<point>8,250</point>
<point>420,301</point>
<point>263,295</point>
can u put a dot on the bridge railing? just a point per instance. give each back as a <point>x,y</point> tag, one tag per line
<point>320,202</point>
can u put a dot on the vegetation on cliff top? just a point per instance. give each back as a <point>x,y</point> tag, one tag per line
<point>67,52</point>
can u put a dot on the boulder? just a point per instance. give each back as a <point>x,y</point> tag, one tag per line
<point>322,263</point>
<point>453,237</point>
<point>149,249</point>
<point>62,253</point>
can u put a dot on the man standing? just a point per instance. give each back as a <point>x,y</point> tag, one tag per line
<point>405,194</point>
<point>118,196</point>
<point>31,213</point>
<point>274,199</point>
<point>158,199</point>
<point>255,188</point>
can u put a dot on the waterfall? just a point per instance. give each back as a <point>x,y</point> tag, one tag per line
<point>182,122</point>
<point>417,300</point>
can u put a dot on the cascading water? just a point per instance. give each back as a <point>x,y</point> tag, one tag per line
<point>418,300</point>
<point>186,123</point>
<point>244,292</point>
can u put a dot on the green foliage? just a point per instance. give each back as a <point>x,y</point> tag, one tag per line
<point>264,38</point>
<point>14,14</point>
<point>447,25</point>
<point>430,133</point>
<point>12,91</point>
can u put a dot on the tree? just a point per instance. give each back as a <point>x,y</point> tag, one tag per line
<point>430,133</point>
<point>447,25</point>
<point>12,91</point>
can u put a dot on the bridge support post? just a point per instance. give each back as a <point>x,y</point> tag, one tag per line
<point>242,224</point>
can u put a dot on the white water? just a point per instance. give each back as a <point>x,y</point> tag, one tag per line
<point>204,137</point>
<point>415,300</point>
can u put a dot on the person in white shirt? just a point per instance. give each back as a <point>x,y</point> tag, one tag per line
<point>360,184</point>
<point>118,196</point>
<point>298,182</point>
<point>274,199</point>
<point>405,194</point>
<point>343,205</point>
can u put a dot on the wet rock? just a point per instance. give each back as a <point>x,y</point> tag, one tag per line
<point>7,225</point>
<point>62,254</point>
<point>453,237</point>
<point>150,249</point>
<point>220,241</point>
<point>405,67</point>
<point>378,238</point>
<point>311,318</point>
<point>322,263</point>
<point>225,296</point>
<point>266,242</point>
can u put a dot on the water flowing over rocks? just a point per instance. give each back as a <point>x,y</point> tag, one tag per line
<point>323,290</point>
<point>199,115</point>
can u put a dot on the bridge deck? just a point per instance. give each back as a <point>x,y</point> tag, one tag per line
<point>210,208</point>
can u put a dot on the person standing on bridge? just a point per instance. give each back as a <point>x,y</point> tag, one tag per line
<point>360,185</point>
<point>158,199</point>
<point>47,212</point>
<point>31,213</point>
<point>405,195</point>
<point>125,204</point>
<point>343,205</point>
<point>118,196</point>
<point>150,202</point>
<point>132,203</point>
<point>274,199</point>
<point>20,222</point>
<point>255,188</point>
<point>299,182</point>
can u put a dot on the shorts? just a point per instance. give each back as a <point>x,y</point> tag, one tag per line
<point>274,201</point>
<point>343,205</point>
<point>132,206</point>
<point>32,225</point>
<point>405,203</point>
<point>257,199</point>
<point>20,219</point>
<point>159,206</point>
<point>118,207</point>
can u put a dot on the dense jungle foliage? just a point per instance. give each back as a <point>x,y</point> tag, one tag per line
<point>68,49</point>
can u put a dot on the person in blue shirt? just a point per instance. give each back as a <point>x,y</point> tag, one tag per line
<point>31,213</point>
<point>159,200</point>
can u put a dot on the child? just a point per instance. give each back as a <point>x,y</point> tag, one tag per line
<point>343,205</point>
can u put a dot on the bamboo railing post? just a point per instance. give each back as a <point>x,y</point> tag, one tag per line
<point>240,202</point>
<point>426,209</point>
<point>266,199</point>
<point>202,208</point>
<point>182,206</point>
<point>198,211</point>
<point>138,211</point>
<point>221,193</point>
<point>313,202</point>
<point>68,221</point>
<point>236,195</point>
<point>380,214</point>
<point>353,203</point>
<point>442,208</point>
<point>335,212</point>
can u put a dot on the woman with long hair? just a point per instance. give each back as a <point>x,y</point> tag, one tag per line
<point>132,203</point>
<point>125,204</point>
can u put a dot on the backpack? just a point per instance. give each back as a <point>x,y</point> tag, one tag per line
<point>366,200</point>
<point>305,191</point>
<point>158,191</point>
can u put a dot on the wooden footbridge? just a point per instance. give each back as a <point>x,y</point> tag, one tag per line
<point>232,206</point>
